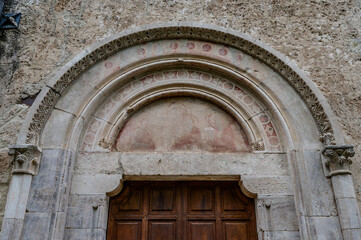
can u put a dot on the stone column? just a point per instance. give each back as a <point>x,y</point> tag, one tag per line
<point>337,162</point>
<point>26,165</point>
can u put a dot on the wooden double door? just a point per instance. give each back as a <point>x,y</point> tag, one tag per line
<point>181,211</point>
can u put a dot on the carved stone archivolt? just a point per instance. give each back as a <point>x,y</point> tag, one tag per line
<point>338,159</point>
<point>26,159</point>
<point>178,31</point>
<point>266,138</point>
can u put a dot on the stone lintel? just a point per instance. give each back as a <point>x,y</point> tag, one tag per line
<point>26,159</point>
<point>338,158</point>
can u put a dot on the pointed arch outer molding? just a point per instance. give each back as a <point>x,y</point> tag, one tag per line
<point>45,103</point>
<point>235,178</point>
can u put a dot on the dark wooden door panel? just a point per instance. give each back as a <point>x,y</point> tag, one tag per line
<point>201,200</point>
<point>231,201</point>
<point>181,211</point>
<point>132,200</point>
<point>236,230</point>
<point>163,199</point>
<point>164,230</point>
<point>202,230</point>
<point>128,230</point>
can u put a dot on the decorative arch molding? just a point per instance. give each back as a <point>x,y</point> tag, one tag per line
<point>60,82</point>
<point>52,128</point>
<point>248,110</point>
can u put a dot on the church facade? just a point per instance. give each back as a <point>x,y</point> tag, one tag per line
<point>181,130</point>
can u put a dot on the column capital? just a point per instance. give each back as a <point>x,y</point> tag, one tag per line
<point>26,159</point>
<point>338,158</point>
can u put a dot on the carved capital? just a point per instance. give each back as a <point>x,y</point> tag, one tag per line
<point>258,146</point>
<point>104,144</point>
<point>26,159</point>
<point>338,158</point>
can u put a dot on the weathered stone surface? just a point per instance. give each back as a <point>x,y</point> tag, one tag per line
<point>20,185</point>
<point>277,213</point>
<point>318,188</point>
<point>36,225</point>
<point>343,186</point>
<point>84,234</point>
<point>59,226</point>
<point>352,234</point>
<point>78,92</point>
<point>54,134</point>
<point>87,212</point>
<point>195,164</point>
<point>190,163</point>
<point>94,183</point>
<point>280,185</point>
<point>11,228</point>
<point>270,165</point>
<point>325,228</point>
<point>5,176</point>
<point>49,189</point>
<point>5,161</point>
<point>98,162</point>
<point>48,198</point>
<point>4,187</point>
<point>281,235</point>
<point>349,213</point>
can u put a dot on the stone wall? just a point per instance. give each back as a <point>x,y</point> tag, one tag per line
<point>322,37</point>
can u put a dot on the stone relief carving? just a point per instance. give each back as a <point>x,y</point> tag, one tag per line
<point>26,159</point>
<point>177,32</point>
<point>41,116</point>
<point>338,159</point>
<point>106,145</point>
<point>258,146</point>
<point>327,139</point>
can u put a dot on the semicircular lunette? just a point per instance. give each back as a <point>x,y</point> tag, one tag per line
<point>257,114</point>
<point>182,124</point>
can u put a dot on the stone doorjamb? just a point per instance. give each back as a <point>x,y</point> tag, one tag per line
<point>33,155</point>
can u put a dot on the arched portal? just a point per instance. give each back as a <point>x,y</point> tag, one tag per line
<point>90,129</point>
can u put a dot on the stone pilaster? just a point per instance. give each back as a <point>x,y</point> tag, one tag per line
<point>26,159</point>
<point>338,163</point>
<point>26,165</point>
